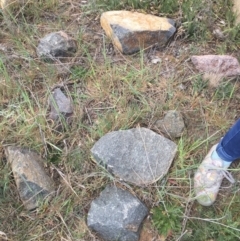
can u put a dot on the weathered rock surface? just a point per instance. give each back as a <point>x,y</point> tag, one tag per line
<point>222,65</point>
<point>131,31</point>
<point>116,215</point>
<point>33,183</point>
<point>60,104</point>
<point>56,45</point>
<point>138,155</point>
<point>172,124</point>
<point>236,10</point>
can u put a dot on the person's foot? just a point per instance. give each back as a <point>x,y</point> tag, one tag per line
<point>209,176</point>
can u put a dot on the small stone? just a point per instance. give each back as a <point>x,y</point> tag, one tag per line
<point>236,10</point>
<point>33,183</point>
<point>219,34</point>
<point>172,124</point>
<point>139,155</point>
<point>116,215</point>
<point>223,65</point>
<point>155,59</point>
<point>60,104</point>
<point>132,31</point>
<point>182,86</point>
<point>56,45</point>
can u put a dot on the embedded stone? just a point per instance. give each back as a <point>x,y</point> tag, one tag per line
<point>116,215</point>
<point>222,65</point>
<point>60,104</point>
<point>33,183</point>
<point>132,31</point>
<point>172,124</point>
<point>139,155</point>
<point>56,45</point>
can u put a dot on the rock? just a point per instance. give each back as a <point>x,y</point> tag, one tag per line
<point>222,65</point>
<point>56,45</point>
<point>172,124</point>
<point>139,155</point>
<point>236,10</point>
<point>131,31</point>
<point>218,34</point>
<point>33,183</point>
<point>116,215</point>
<point>60,104</point>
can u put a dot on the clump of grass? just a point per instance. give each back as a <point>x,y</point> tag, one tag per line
<point>167,219</point>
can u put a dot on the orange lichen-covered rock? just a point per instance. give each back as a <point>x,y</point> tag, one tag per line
<point>131,31</point>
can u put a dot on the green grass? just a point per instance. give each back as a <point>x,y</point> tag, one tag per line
<point>112,92</point>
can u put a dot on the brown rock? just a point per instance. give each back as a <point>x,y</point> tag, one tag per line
<point>222,65</point>
<point>131,31</point>
<point>236,10</point>
<point>33,183</point>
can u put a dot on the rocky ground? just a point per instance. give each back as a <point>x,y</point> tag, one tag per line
<point>62,105</point>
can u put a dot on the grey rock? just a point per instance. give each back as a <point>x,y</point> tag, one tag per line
<point>172,124</point>
<point>56,45</point>
<point>139,155</point>
<point>131,31</point>
<point>116,215</point>
<point>33,183</point>
<point>60,104</point>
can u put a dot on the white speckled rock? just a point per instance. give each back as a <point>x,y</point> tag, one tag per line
<point>222,65</point>
<point>131,31</point>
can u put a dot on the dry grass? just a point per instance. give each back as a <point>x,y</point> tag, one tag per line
<point>110,92</point>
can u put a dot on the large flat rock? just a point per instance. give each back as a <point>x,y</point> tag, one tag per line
<point>139,155</point>
<point>116,215</point>
<point>131,31</point>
